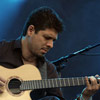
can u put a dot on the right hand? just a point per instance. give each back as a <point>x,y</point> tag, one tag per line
<point>2,83</point>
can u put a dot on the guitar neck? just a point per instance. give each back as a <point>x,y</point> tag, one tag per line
<point>52,83</point>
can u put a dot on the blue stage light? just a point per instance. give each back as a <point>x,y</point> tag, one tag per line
<point>14,1</point>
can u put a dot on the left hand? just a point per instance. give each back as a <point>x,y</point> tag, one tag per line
<point>91,87</point>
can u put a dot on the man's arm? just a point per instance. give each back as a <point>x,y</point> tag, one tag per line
<point>92,86</point>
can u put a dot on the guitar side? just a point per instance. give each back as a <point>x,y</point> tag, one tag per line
<point>25,72</point>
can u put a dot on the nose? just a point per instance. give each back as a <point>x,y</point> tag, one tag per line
<point>50,44</point>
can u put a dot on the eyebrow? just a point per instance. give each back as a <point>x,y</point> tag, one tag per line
<point>51,37</point>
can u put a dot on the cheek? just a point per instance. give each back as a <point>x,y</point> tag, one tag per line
<point>40,42</point>
<point>37,42</point>
<point>36,45</point>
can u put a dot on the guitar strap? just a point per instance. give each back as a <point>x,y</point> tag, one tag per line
<point>43,70</point>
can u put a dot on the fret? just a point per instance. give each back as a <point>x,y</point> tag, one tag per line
<point>45,81</point>
<point>64,82</point>
<point>73,81</point>
<point>27,86</point>
<point>68,82</point>
<point>30,84</point>
<point>49,85</point>
<point>42,84</point>
<point>83,80</point>
<point>52,82</point>
<point>80,81</point>
<point>77,80</point>
<point>56,82</point>
<point>60,82</point>
<point>40,81</point>
<point>37,84</point>
<point>34,84</point>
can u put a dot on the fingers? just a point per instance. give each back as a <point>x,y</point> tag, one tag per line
<point>2,83</point>
<point>1,89</point>
<point>2,80</point>
<point>94,84</point>
<point>98,78</point>
<point>91,85</point>
<point>96,75</point>
<point>87,81</point>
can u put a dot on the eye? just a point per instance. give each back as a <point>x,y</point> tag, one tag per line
<point>54,40</point>
<point>47,38</point>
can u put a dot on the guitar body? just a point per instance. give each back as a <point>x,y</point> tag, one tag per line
<point>25,72</point>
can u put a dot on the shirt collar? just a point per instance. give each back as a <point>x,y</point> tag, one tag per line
<point>17,44</point>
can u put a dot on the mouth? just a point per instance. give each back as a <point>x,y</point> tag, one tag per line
<point>44,50</point>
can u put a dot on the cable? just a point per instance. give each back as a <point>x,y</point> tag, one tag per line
<point>90,54</point>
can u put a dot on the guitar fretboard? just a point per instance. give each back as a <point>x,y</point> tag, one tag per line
<point>52,83</point>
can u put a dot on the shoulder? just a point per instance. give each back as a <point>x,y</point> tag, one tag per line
<point>50,65</point>
<point>51,70</point>
<point>5,43</point>
<point>5,46</point>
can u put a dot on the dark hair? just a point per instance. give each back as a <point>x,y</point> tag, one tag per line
<point>42,18</point>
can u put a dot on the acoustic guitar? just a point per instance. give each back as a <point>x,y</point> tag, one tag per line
<point>22,80</point>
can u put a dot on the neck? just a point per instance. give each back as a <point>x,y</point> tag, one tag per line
<point>26,55</point>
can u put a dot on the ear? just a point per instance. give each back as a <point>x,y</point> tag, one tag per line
<point>30,30</point>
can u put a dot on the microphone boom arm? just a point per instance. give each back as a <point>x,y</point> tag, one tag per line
<point>59,61</point>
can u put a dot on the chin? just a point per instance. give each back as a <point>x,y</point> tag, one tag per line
<point>41,55</point>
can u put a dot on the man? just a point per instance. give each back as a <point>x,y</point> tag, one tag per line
<point>40,31</point>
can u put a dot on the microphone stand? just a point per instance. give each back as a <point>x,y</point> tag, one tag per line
<point>59,62</point>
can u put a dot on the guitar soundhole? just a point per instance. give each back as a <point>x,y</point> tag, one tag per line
<point>14,86</point>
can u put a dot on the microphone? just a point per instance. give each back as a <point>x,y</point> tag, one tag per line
<point>59,61</point>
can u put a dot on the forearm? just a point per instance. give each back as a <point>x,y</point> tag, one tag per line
<point>81,97</point>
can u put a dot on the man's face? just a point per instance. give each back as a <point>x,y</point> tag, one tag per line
<point>41,42</point>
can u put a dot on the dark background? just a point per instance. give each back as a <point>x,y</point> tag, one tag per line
<point>82,28</point>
